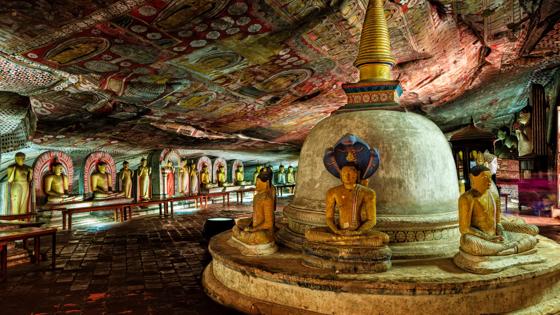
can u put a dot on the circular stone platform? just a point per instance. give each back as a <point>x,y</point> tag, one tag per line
<point>281,284</point>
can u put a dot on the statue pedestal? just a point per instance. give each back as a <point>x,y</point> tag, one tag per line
<point>253,250</point>
<point>492,264</point>
<point>280,284</point>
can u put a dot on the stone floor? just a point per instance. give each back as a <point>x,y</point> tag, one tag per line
<point>149,265</point>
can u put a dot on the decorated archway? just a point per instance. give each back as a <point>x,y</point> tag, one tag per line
<point>43,166</point>
<point>90,165</point>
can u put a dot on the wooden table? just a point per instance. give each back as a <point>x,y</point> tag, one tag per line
<point>20,224</point>
<point>241,192</point>
<point>197,199</point>
<point>69,208</point>
<point>161,201</point>
<point>24,234</point>
<point>25,216</point>
<point>280,188</point>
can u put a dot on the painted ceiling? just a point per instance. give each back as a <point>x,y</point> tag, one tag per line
<point>254,75</point>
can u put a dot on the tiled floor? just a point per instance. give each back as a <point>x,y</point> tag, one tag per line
<point>147,266</point>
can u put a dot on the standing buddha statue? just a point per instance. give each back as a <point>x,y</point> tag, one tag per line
<point>143,174</point>
<point>125,179</point>
<point>168,172</point>
<point>184,177</point>
<point>256,173</point>
<point>20,179</point>
<point>281,176</point>
<point>194,180</point>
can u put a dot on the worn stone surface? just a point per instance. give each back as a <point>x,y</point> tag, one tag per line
<point>416,184</point>
<point>433,286</point>
<point>490,264</point>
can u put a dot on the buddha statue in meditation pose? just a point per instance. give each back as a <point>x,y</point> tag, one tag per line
<point>281,176</point>
<point>290,176</point>
<point>125,178</point>
<point>55,185</point>
<point>20,177</point>
<point>255,236</point>
<point>143,174</point>
<point>221,176</point>
<point>101,183</point>
<point>484,233</point>
<point>349,244</point>
<point>204,176</point>
<point>239,175</point>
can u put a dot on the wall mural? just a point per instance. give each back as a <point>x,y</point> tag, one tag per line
<point>266,70</point>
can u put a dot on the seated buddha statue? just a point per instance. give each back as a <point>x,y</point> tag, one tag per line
<point>101,183</point>
<point>290,176</point>
<point>484,233</point>
<point>239,175</point>
<point>255,236</point>
<point>349,244</point>
<point>281,176</point>
<point>55,185</point>
<point>221,176</point>
<point>204,177</point>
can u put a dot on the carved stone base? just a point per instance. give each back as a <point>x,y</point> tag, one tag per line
<point>253,250</point>
<point>347,259</point>
<point>493,264</point>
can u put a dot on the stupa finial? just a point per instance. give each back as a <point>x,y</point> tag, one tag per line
<point>376,88</point>
<point>375,60</point>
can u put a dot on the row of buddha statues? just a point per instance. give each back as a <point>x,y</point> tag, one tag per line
<point>349,241</point>
<point>55,185</point>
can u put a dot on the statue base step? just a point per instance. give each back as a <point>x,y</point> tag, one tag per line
<point>253,250</point>
<point>493,264</point>
<point>347,259</point>
<point>281,284</point>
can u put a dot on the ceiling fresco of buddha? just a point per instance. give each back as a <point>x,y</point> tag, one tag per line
<point>239,73</point>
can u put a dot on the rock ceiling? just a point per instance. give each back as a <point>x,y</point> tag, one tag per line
<point>258,75</point>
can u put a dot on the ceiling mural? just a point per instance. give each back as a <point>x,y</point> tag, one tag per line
<point>258,74</point>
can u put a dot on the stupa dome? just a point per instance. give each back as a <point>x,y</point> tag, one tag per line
<point>416,184</point>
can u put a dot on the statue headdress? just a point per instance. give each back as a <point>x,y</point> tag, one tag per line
<point>351,150</point>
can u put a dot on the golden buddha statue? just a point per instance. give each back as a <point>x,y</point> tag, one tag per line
<point>239,175</point>
<point>143,173</point>
<point>20,179</point>
<point>194,180</point>
<point>255,236</point>
<point>55,186</point>
<point>101,183</point>
<point>484,233</point>
<point>221,176</point>
<point>125,178</point>
<point>349,244</point>
<point>290,176</point>
<point>256,174</point>
<point>204,176</point>
<point>184,177</point>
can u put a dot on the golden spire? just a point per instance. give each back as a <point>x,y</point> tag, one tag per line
<point>374,58</point>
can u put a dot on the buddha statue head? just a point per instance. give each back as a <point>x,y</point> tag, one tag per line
<point>349,175</point>
<point>264,180</point>
<point>281,169</point>
<point>57,168</point>
<point>102,167</point>
<point>169,164</point>
<point>481,178</point>
<point>184,163</point>
<point>524,118</point>
<point>144,162</point>
<point>20,158</point>
<point>125,165</point>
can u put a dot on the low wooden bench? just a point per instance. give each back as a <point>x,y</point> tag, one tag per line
<point>223,194</point>
<point>160,201</point>
<point>24,234</point>
<point>68,212</point>
<point>197,199</point>
<point>241,192</point>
